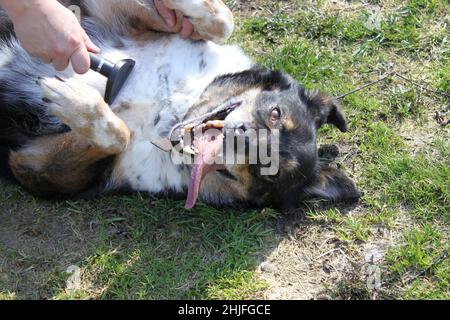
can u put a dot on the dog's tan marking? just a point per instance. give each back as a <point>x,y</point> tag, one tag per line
<point>85,112</point>
<point>210,7</point>
<point>291,165</point>
<point>63,164</point>
<point>212,185</point>
<point>71,162</point>
<point>289,124</point>
<point>245,178</point>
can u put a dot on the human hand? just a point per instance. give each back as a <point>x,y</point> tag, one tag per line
<point>49,31</point>
<point>170,18</point>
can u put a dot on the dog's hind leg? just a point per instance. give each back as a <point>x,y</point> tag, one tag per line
<point>212,19</point>
<point>70,163</point>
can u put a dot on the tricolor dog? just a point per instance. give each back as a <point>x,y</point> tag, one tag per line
<point>195,118</point>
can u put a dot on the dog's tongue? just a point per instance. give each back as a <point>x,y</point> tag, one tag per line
<point>209,147</point>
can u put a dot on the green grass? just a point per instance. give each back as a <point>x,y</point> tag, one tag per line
<point>423,250</point>
<point>7,296</point>
<point>325,49</point>
<point>154,249</point>
<point>135,247</point>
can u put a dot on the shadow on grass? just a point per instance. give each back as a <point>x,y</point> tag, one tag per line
<point>134,247</point>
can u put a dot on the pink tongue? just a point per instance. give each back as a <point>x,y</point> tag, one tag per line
<point>209,146</point>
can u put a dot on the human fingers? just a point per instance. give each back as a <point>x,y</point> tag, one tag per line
<point>80,60</point>
<point>167,14</point>
<point>44,58</point>
<point>60,64</point>
<point>90,46</point>
<point>187,28</point>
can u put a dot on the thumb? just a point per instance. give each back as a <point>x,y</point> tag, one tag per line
<point>80,60</point>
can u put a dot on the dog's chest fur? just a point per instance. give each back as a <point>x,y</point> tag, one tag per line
<point>169,77</point>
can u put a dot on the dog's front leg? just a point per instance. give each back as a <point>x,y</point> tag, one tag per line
<point>72,162</point>
<point>83,109</point>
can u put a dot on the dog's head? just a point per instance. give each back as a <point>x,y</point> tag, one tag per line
<point>252,137</point>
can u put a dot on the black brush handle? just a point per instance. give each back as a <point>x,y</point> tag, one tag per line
<point>101,65</point>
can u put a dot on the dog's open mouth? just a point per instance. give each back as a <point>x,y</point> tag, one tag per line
<point>203,139</point>
<point>208,148</point>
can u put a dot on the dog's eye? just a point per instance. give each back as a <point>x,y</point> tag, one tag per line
<point>275,115</point>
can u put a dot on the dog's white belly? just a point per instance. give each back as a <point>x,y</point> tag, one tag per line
<point>169,77</point>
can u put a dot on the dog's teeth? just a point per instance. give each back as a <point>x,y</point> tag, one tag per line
<point>189,150</point>
<point>199,129</point>
<point>218,124</point>
<point>189,127</point>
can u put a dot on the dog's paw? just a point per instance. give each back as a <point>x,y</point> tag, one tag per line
<point>212,19</point>
<point>73,102</point>
<point>83,109</point>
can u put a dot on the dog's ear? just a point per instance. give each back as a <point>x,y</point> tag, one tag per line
<point>325,109</point>
<point>332,184</point>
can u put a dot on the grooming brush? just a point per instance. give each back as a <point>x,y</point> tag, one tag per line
<point>116,73</point>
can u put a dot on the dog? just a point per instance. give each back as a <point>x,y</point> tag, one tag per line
<point>59,139</point>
